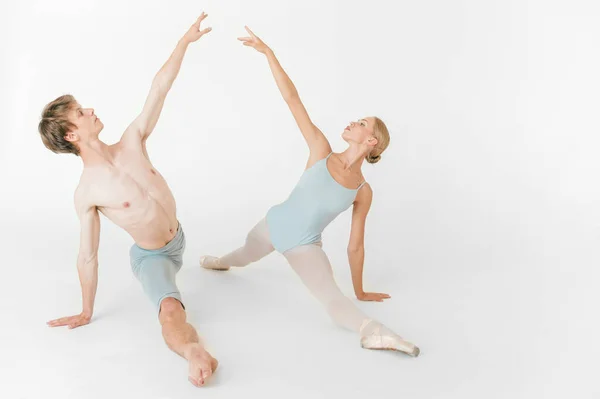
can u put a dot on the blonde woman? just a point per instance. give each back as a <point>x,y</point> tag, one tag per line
<point>330,184</point>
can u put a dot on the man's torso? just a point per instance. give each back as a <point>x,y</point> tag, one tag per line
<point>131,193</point>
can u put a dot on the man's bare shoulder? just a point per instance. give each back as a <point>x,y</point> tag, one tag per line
<point>131,139</point>
<point>84,196</point>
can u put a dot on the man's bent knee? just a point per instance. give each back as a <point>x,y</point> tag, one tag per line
<point>171,310</point>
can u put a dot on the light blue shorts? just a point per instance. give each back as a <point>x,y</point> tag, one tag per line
<point>156,269</point>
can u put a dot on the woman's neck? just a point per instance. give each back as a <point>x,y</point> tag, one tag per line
<point>353,157</point>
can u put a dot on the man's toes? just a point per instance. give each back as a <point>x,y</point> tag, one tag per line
<point>198,382</point>
<point>206,373</point>
<point>195,376</point>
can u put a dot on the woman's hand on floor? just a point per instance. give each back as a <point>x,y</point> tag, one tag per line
<point>372,296</point>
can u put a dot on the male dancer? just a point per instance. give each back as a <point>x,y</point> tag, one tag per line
<point>120,181</point>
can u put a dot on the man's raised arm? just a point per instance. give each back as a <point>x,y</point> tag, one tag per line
<point>144,124</point>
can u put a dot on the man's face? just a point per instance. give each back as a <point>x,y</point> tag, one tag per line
<point>88,124</point>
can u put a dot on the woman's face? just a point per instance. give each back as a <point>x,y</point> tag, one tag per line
<point>360,131</point>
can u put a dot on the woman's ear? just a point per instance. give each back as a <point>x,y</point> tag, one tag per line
<point>372,141</point>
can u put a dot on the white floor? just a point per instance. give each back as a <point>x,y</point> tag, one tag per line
<point>484,227</point>
<point>518,331</point>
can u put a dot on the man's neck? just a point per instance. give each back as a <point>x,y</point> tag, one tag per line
<point>94,153</point>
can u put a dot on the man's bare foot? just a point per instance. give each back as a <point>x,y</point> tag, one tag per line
<point>212,262</point>
<point>201,365</point>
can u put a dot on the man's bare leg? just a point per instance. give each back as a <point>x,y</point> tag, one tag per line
<point>182,338</point>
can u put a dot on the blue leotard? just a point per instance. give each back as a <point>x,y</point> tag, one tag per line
<point>315,202</point>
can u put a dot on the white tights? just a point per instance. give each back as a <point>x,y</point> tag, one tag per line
<point>312,265</point>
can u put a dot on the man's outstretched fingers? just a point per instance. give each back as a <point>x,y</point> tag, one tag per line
<point>59,322</point>
<point>201,18</point>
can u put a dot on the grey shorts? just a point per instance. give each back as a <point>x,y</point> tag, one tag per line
<point>156,269</point>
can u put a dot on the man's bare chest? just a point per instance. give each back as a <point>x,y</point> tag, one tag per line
<point>128,184</point>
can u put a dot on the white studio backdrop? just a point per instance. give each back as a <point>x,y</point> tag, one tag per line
<point>492,167</point>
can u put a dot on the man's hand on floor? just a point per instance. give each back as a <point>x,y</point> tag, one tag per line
<point>71,321</point>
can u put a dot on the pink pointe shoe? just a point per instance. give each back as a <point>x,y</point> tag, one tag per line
<point>212,263</point>
<point>386,341</point>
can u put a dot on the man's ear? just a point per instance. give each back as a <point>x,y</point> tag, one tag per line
<point>71,136</point>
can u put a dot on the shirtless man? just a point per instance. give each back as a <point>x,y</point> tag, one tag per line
<point>120,181</point>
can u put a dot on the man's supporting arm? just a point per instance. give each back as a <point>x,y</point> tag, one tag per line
<point>87,267</point>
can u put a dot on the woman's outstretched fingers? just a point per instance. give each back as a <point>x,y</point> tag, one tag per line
<point>373,296</point>
<point>249,31</point>
<point>254,42</point>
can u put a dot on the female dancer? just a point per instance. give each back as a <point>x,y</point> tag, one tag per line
<point>330,184</point>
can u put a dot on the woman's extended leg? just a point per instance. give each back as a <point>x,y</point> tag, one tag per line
<point>314,269</point>
<point>257,246</point>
